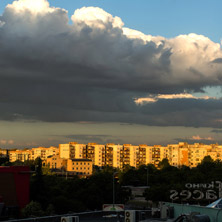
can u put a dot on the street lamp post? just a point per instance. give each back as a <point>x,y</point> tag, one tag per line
<point>147,174</point>
<point>113,190</point>
<point>114,173</point>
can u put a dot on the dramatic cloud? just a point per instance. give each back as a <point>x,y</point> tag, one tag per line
<point>216,131</point>
<point>92,69</point>
<point>153,98</point>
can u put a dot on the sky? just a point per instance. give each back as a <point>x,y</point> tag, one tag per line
<point>110,71</point>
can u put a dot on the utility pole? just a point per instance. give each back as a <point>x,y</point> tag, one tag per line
<point>113,188</point>
<point>114,173</point>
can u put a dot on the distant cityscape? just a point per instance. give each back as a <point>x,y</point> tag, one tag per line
<point>80,158</point>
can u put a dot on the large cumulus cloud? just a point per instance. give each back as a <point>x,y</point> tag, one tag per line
<point>94,68</point>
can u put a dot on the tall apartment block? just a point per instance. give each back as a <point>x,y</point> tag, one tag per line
<point>72,150</point>
<point>119,156</point>
<point>113,155</point>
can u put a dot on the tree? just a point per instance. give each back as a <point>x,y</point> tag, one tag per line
<point>38,167</point>
<point>33,209</point>
<point>164,163</point>
<point>207,167</point>
<point>4,161</point>
<point>207,159</point>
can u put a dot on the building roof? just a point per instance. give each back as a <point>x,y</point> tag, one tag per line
<point>83,160</point>
<point>216,204</point>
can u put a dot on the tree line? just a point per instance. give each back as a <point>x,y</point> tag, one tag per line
<point>53,194</point>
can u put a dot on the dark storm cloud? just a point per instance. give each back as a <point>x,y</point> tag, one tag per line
<point>98,138</point>
<point>101,139</point>
<point>93,69</point>
<point>216,131</point>
<point>218,60</point>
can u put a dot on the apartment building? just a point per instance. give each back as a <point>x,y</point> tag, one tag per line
<point>32,154</point>
<point>43,152</point>
<point>81,167</point>
<point>65,150</point>
<point>147,151</point>
<point>113,155</point>
<point>96,153</point>
<point>72,150</point>
<point>118,156</point>
<point>92,151</point>
<point>129,156</point>
<point>174,154</point>
<point>158,154</point>
<point>196,154</point>
<point>21,155</point>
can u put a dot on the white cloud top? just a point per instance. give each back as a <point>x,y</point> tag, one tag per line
<point>91,69</point>
<point>209,138</point>
<point>33,6</point>
<point>185,59</point>
<point>95,17</point>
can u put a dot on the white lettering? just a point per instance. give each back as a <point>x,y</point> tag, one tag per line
<point>173,195</point>
<point>188,185</point>
<point>186,194</point>
<point>211,195</point>
<point>196,185</point>
<point>201,195</point>
<point>211,186</point>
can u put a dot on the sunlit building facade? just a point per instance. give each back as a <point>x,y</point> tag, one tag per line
<point>113,154</point>
<point>120,156</point>
<point>32,154</point>
<point>80,167</point>
<point>72,150</point>
<point>3,152</point>
<point>43,152</point>
<point>20,155</point>
<point>55,162</point>
<point>96,153</point>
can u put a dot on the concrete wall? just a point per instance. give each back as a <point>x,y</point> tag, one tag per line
<point>214,214</point>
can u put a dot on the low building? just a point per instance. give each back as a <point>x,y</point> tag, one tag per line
<point>32,154</point>
<point>19,155</point>
<point>55,162</point>
<point>3,152</point>
<point>81,167</point>
<point>43,152</point>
